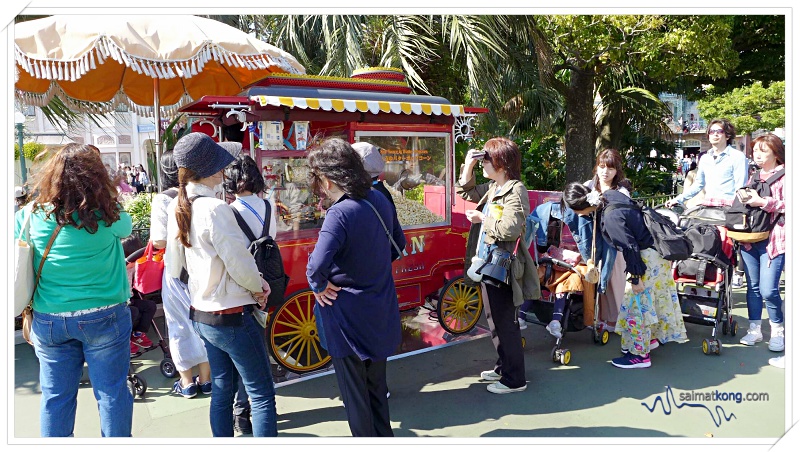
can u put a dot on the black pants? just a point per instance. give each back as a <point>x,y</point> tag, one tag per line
<point>142,313</point>
<point>363,388</point>
<point>502,317</point>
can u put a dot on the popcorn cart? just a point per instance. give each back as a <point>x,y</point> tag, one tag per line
<point>283,115</point>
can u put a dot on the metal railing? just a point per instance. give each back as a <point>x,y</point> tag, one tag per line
<point>653,201</point>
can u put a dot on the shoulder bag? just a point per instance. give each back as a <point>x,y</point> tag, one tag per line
<point>388,234</point>
<point>27,313</point>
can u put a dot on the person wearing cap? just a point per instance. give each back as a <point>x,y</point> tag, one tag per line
<point>20,197</point>
<point>373,163</point>
<point>224,285</point>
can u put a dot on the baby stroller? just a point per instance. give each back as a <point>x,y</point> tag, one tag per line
<point>704,280</point>
<point>136,383</point>
<point>557,276</point>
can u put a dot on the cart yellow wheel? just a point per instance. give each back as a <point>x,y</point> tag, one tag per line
<point>604,338</point>
<point>459,307</point>
<point>293,337</point>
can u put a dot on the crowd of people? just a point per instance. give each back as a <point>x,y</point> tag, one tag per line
<point>212,291</point>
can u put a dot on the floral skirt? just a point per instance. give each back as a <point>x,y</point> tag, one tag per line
<point>653,314</point>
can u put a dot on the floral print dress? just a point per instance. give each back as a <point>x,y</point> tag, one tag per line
<point>653,314</point>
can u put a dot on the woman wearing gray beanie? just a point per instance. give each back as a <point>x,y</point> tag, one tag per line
<point>225,286</point>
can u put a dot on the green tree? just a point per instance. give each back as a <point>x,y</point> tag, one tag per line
<point>749,108</point>
<point>574,53</point>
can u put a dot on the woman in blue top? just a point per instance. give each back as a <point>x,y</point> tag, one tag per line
<point>350,273</point>
<point>79,308</point>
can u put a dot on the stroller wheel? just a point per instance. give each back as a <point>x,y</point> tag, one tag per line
<point>523,342</point>
<point>734,328</point>
<point>565,356</point>
<point>555,355</point>
<point>604,336</point>
<point>168,368</point>
<point>724,327</point>
<point>137,385</point>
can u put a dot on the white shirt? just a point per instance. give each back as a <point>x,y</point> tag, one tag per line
<point>158,217</point>
<point>222,273</point>
<point>256,223</point>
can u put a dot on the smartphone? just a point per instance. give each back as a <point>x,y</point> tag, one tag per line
<point>744,194</point>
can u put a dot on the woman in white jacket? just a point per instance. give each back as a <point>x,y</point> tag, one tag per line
<point>225,286</point>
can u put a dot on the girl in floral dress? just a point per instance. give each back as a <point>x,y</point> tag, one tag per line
<point>650,313</point>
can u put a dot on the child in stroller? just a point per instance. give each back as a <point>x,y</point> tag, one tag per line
<point>142,309</point>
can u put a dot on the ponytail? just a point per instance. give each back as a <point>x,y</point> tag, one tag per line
<point>183,211</point>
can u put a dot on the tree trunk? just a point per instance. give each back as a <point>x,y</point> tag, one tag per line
<point>579,137</point>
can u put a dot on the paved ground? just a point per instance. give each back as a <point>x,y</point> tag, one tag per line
<point>438,394</point>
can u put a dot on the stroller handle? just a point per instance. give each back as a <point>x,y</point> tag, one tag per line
<point>135,255</point>
<point>560,263</point>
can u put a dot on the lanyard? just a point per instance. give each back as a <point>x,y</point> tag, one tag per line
<point>261,220</point>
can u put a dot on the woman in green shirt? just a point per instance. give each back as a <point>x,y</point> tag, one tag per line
<point>79,309</point>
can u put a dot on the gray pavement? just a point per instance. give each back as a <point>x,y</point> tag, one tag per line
<point>438,394</point>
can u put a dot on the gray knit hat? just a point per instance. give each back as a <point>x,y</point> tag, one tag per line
<point>234,148</point>
<point>371,156</point>
<point>199,153</point>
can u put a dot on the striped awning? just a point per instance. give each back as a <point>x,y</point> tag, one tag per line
<point>363,106</point>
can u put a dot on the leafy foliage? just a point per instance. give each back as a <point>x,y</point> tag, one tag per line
<point>31,150</point>
<point>139,209</point>
<point>749,108</point>
<point>650,175</point>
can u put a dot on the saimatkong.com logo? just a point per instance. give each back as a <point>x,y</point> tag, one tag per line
<point>702,400</point>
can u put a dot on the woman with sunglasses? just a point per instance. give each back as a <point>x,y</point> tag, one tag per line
<point>499,220</point>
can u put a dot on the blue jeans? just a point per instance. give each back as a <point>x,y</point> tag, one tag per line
<point>763,282</point>
<point>62,344</point>
<point>239,350</point>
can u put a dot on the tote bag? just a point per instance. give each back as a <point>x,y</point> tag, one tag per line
<point>148,270</point>
<point>23,266</point>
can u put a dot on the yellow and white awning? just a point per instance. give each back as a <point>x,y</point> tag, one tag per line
<point>363,106</point>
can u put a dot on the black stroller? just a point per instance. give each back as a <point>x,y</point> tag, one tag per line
<point>704,281</point>
<point>136,383</point>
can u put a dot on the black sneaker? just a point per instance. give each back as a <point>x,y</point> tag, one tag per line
<point>242,424</point>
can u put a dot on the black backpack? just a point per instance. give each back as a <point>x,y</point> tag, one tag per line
<point>670,242</point>
<point>706,249</point>
<point>267,256</point>
<point>749,224</point>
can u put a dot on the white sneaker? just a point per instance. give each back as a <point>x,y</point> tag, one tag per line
<point>522,324</point>
<point>776,340</point>
<point>753,335</point>
<point>500,388</point>
<point>490,375</point>
<point>776,344</point>
<point>738,281</point>
<point>778,362</point>
<point>554,328</point>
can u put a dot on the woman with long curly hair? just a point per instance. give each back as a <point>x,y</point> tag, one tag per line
<point>350,273</point>
<point>79,309</point>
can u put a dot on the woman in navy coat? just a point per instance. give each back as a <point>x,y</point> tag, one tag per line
<point>350,273</point>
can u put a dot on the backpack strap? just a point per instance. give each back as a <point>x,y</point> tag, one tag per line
<point>774,178</point>
<point>243,226</point>
<point>267,219</point>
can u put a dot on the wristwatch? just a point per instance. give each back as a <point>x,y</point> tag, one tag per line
<point>634,279</point>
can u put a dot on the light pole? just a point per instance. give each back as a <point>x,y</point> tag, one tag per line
<point>19,121</point>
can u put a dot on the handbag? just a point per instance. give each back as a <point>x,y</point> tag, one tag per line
<point>148,270</point>
<point>495,269</point>
<point>592,275</point>
<point>23,266</point>
<point>27,313</point>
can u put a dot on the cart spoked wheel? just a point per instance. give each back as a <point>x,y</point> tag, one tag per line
<point>293,337</point>
<point>167,368</point>
<point>459,307</point>
<point>734,328</point>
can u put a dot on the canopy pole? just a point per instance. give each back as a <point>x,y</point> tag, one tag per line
<point>157,116</point>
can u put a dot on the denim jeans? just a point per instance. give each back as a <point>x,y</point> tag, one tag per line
<point>62,344</point>
<point>239,349</point>
<point>763,282</point>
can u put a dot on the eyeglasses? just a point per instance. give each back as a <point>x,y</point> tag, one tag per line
<point>716,132</point>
